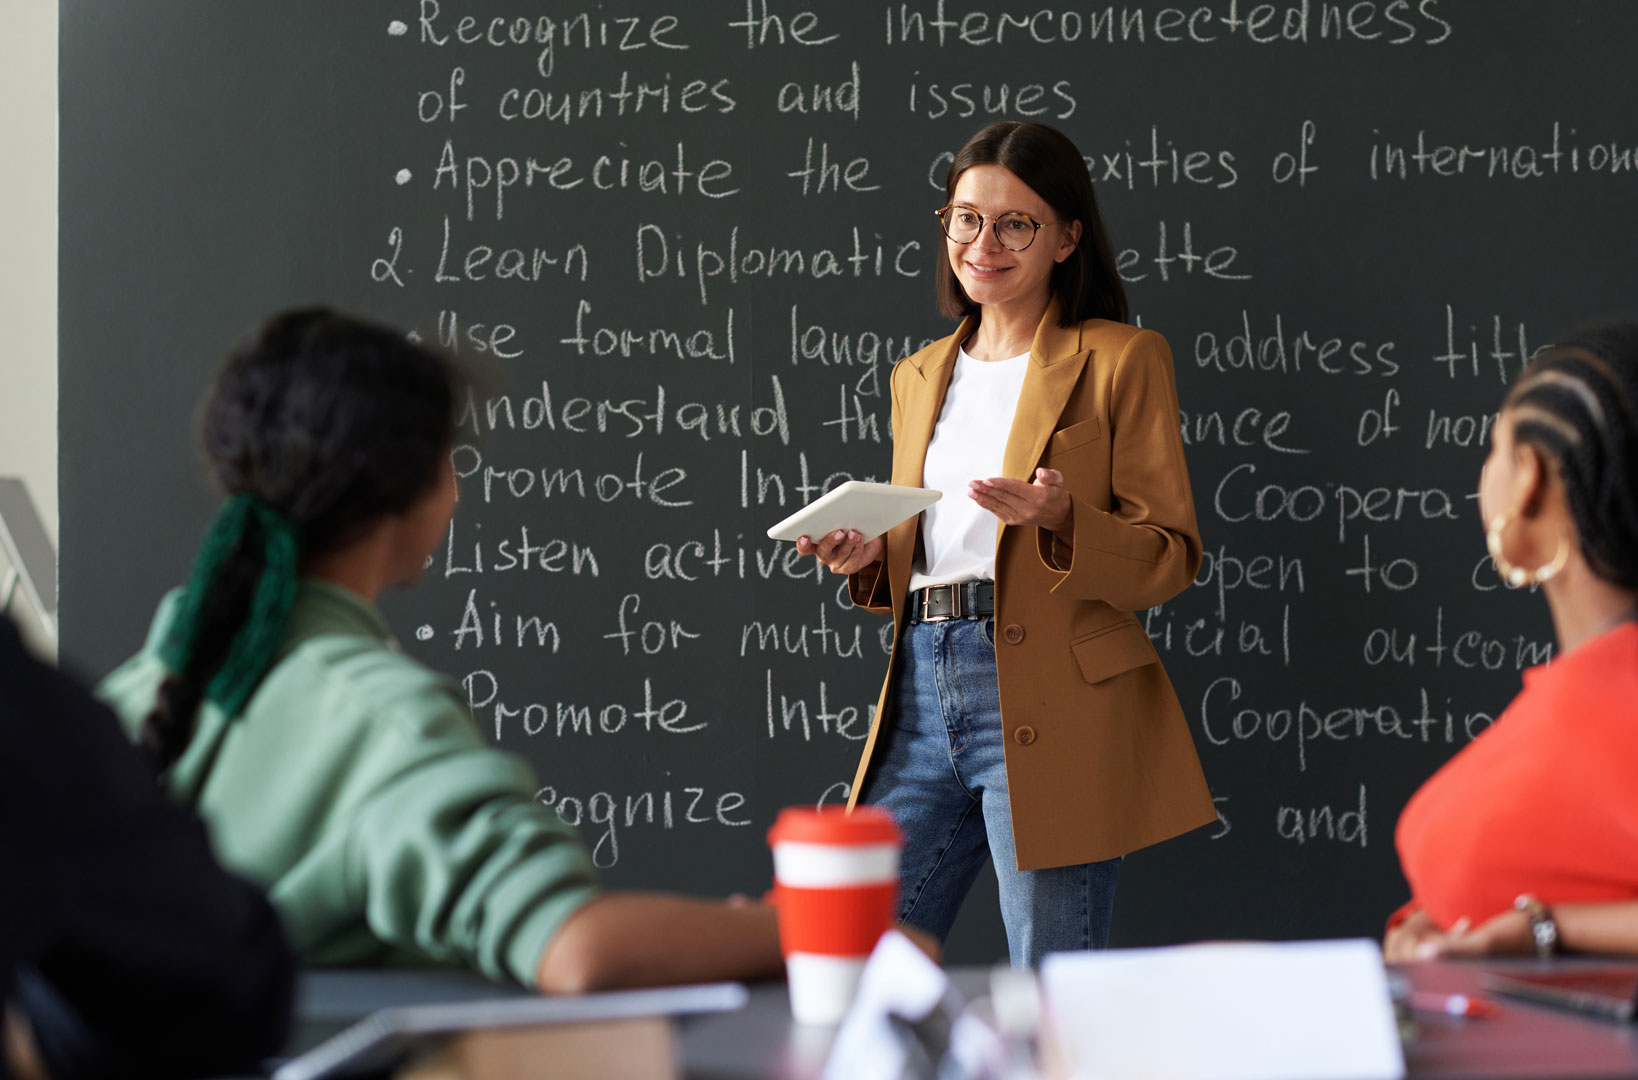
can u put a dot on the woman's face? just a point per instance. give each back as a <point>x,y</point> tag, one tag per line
<point>991,274</point>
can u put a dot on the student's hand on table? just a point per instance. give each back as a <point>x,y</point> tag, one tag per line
<point>1418,937</point>
<point>1043,502</point>
<point>1507,934</point>
<point>842,552</point>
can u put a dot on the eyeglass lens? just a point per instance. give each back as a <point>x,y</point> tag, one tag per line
<point>1014,230</point>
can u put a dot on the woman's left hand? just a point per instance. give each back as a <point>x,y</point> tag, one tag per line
<point>1043,503</point>
<point>1507,934</point>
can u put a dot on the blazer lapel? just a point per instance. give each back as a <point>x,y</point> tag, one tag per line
<point>921,410</point>
<point>920,413</point>
<point>1055,363</point>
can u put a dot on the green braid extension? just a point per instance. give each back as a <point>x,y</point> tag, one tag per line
<point>251,650</point>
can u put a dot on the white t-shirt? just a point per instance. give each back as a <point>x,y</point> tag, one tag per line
<point>969,441</point>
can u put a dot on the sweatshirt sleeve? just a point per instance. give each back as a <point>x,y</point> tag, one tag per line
<point>450,854</point>
<point>1146,548</point>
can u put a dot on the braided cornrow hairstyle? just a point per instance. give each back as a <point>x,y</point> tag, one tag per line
<point>317,426</point>
<point>1576,402</point>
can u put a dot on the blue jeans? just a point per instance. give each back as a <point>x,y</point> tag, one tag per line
<point>940,770</point>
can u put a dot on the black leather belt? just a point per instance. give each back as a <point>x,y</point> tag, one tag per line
<point>958,600</point>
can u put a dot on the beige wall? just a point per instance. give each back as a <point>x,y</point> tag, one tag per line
<point>28,261</point>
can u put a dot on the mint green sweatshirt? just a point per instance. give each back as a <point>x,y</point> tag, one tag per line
<point>355,787</point>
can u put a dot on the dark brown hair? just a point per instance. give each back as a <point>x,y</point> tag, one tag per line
<point>328,422</point>
<point>1086,284</point>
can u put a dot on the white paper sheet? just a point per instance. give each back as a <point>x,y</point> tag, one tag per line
<point>1317,1010</point>
<point>899,978</point>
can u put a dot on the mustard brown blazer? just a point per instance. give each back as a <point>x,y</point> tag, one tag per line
<point>1099,757</point>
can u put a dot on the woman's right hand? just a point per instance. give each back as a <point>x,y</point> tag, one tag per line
<point>842,551</point>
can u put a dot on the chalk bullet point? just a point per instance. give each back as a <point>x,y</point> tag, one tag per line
<point>398,28</point>
<point>402,176</point>
<point>414,337</point>
<point>424,634</point>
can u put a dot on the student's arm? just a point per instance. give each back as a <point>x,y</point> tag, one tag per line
<point>457,856</point>
<point>629,939</point>
<point>455,859</point>
<point>633,939</point>
<point>1609,928</point>
<point>451,856</point>
<point>151,958</point>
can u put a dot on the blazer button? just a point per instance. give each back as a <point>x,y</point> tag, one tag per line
<point>1013,633</point>
<point>1025,735</point>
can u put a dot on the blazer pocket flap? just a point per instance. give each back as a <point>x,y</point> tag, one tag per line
<point>1075,435</point>
<point>1109,652</point>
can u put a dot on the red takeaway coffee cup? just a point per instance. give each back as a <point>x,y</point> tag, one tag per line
<point>836,883</point>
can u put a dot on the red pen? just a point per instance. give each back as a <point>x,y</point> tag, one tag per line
<point>1452,1004</point>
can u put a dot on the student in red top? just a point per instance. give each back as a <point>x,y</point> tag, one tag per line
<point>1527,840</point>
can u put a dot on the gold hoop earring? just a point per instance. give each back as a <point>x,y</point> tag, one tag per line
<point>1517,577</point>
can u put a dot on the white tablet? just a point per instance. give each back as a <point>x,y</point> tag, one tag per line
<point>858,504</point>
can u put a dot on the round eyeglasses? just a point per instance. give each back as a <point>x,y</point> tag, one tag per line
<point>1014,230</point>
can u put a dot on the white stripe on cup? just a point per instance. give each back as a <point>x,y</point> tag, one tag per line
<point>822,987</point>
<point>819,866</point>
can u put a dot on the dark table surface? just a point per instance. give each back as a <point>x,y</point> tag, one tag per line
<point>761,1043</point>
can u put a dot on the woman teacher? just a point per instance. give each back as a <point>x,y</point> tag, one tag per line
<point>1025,714</point>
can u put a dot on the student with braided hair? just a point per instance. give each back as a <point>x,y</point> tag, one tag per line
<point>344,776</point>
<point>1527,840</point>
